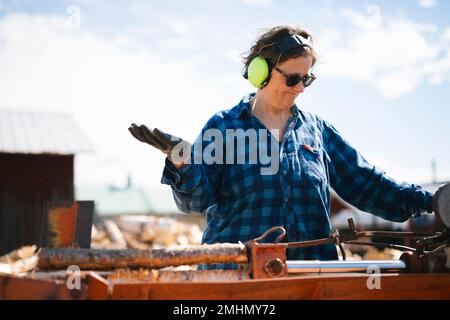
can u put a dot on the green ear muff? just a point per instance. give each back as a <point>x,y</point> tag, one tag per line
<point>258,69</point>
<point>258,72</point>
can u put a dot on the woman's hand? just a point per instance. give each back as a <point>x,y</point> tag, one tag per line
<point>177,150</point>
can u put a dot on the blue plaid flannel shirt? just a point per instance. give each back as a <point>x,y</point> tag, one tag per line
<point>240,203</point>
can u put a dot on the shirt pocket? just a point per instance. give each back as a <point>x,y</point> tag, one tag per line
<point>311,160</point>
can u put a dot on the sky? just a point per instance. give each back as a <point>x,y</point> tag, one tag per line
<point>383,74</point>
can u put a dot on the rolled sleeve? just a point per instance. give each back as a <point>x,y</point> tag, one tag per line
<point>194,185</point>
<point>183,179</point>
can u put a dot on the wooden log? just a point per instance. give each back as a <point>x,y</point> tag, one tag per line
<point>95,259</point>
<point>115,235</point>
<point>133,243</point>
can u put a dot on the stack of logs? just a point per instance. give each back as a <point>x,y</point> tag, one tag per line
<point>144,232</point>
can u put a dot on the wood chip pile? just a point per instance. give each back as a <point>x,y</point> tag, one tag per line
<point>360,252</point>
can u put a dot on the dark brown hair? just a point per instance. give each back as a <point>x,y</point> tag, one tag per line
<point>264,48</point>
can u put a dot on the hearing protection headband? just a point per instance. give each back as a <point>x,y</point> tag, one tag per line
<point>259,69</point>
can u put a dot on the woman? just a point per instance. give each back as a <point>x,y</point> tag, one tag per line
<point>239,201</point>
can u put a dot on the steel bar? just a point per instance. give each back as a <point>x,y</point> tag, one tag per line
<point>304,266</point>
<point>389,234</point>
<point>310,243</point>
<point>348,238</point>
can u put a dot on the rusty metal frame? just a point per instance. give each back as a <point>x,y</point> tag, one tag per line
<point>67,224</point>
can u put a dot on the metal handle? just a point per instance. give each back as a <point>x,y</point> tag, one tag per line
<point>272,230</point>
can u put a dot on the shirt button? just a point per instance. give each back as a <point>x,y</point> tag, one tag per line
<point>284,171</point>
<point>286,199</point>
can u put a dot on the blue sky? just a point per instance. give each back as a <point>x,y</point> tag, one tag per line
<point>384,73</point>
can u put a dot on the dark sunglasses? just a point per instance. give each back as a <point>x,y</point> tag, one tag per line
<point>294,79</point>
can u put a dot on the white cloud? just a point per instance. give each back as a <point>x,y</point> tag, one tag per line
<point>326,13</point>
<point>106,84</point>
<point>182,43</point>
<point>232,55</point>
<point>395,83</point>
<point>427,3</point>
<point>258,3</point>
<point>395,55</point>
<point>178,26</point>
<point>142,30</point>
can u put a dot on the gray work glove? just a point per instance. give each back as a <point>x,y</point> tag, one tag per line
<point>441,204</point>
<point>176,149</point>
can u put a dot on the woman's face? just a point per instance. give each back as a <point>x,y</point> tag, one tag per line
<point>276,92</point>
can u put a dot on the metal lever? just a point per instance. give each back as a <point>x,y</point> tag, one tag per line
<point>272,230</point>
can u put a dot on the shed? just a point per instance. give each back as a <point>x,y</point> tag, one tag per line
<point>36,165</point>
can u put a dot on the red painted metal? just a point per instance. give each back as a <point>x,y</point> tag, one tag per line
<point>27,288</point>
<point>268,260</point>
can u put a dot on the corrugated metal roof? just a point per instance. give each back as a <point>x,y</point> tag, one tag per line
<point>37,133</point>
<point>116,201</point>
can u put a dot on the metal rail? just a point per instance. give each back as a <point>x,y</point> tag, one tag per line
<point>301,266</point>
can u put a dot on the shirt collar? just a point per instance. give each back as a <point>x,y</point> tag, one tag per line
<point>244,108</point>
